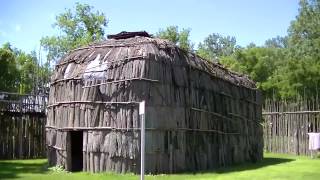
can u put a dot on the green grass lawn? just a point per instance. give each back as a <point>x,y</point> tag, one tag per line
<point>274,166</point>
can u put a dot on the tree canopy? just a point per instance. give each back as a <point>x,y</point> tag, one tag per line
<point>9,76</point>
<point>180,38</point>
<point>21,72</point>
<point>216,45</point>
<point>286,67</point>
<point>77,28</point>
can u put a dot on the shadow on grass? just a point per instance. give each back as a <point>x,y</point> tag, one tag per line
<point>12,169</point>
<point>268,161</point>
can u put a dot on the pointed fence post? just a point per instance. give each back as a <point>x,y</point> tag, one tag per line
<point>142,126</point>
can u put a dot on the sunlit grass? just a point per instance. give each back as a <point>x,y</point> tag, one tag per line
<point>274,166</point>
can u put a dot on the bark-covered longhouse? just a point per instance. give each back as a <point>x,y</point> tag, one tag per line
<point>199,115</point>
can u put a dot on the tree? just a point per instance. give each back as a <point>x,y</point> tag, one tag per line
<point>259,63</point>
<point>180,38</point>
<point>20,71</point>
<point>251,45</point>
<point>296,78</point>
<point>277,42</point>
<point>286,67</point>
<point>216,45</point>
<point>77,28</point>
<point>9,76</point>
<point>300,75</point>
<point>28,67</point>
<point>304,31</point>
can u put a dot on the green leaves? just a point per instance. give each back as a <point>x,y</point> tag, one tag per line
<point>304,32</point>
<point>9,76</point>
<point>180,38</point>
<point>216,45</point>
<point>77,28</point>
<point>21,72</point>
<point>303,68</point>
<point>56,46</point>
<point>286,67</point>
<point>259,63</point>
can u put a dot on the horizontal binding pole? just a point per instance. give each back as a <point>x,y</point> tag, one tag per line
<point>244,118</point>
<point>55,147</point>
<point>108,62</point>
<point>21,112</point>
<point>65,79</point>
<point>225,94</point>
<point>241,99</point>
<point>112,45</point>
<point>23,102</point>
<point>11,93</point>
<point>122,80</point>
<point>209,130</point>
<point>219,115</point>
<point>249,101</point>
<point>138,129</point>
<point>215,75</point>
<point>91,102</point>
<point>109,82</point>
<point>296,112</point>
<point>91,128</point>
<point>210,112</point>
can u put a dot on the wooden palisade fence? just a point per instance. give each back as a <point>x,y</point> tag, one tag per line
<point>22,122</point>
<point>287,124</point>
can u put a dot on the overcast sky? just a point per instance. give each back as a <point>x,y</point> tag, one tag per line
<point>23,23</point>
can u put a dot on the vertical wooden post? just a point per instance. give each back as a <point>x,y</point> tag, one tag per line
<point>142,125</point>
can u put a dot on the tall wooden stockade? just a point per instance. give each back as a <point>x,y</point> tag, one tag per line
<point>287,123</point>
<point>22,126</point>
<point>198,114</point>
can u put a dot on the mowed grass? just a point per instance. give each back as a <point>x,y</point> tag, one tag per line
<point>274,166</point>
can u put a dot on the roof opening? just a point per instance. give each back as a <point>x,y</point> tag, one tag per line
<point>125,35</point>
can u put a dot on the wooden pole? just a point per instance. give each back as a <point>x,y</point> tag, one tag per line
<point>142,118</point>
